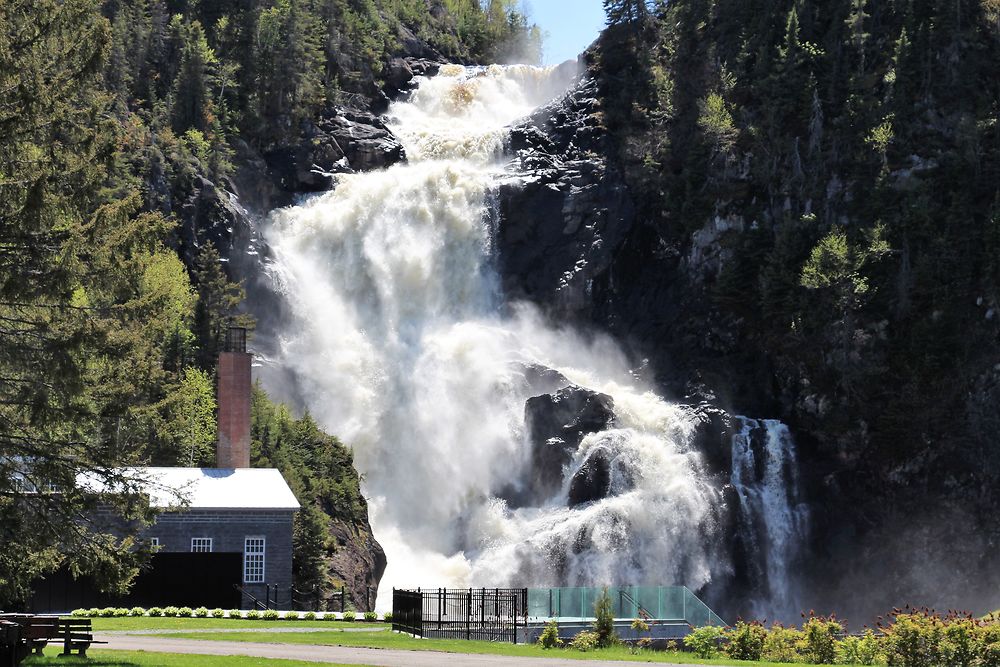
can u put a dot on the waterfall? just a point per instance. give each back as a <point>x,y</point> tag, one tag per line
<point>772,518</point>
<point>401,343</point>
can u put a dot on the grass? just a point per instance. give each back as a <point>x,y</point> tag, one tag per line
<point>393,640</point>
<point>170,623</point>
<point>144,659</point>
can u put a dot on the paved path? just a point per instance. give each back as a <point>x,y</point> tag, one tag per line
<point>347,655</point>
<point>209,631</point>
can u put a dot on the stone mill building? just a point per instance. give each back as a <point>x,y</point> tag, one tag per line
<point>223,537</point>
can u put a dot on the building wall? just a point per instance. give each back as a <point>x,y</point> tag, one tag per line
<point>228,530</point>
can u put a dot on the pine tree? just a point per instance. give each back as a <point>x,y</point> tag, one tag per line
<point>626,12</point>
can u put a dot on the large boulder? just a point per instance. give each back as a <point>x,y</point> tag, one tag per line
<point>557,423</point>
<point>593,480</point>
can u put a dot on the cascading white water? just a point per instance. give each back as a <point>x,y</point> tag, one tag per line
<point>398,344</point>
<point>772,517</point>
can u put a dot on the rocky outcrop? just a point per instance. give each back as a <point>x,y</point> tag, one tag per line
<point>557,423</point>
<point>563,208</point>
<point>356,560</point>
<point>593,480</point>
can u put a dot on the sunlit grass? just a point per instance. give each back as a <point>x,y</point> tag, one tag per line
<point>145,659</point>
<point>170,623</point>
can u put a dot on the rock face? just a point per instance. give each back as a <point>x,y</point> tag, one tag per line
<point>563,209</point>
<point>357,560</point>
<point>341,141</point>
<point>557,423</point>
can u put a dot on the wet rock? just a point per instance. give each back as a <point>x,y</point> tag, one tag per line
<point>713,436</point>
<point>557,423</point>
<point>593,480</point>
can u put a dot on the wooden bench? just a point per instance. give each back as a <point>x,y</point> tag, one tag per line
<point>36,631</point>
<point>77,634</point>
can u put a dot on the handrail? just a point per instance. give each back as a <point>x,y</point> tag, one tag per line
<point>643,612</point>
<point>257,603</point>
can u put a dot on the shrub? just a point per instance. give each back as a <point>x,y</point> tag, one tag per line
<point>291,615</point>
<point>309,616</point>
<point>746,641</point>
<point>93,612</point>
<point>107,612</point>
<point>234,613</point>
<point>349,615</point>
<point>914,640</point>
<point>252,615</point>
<point>80,613</point>
<point>862,650</point>
<point>201,612</point>
<point>550,635</point>
<point>136,611</point>
<point>387,617</point>
<point>988,644</point>
<point>185,612</point>
<point>329,616</point>
<point>371,616</point>
<point>821,639</point>
<point>959,647</point>
<point>155,611</point>
<point>218,613</point>
<point>120,612</point>
<point>604,620</point>
<point>269,615</point>
<point>170,611</point>
<point>781,644</point>
<point>585,640</point>
<point>704,641</point>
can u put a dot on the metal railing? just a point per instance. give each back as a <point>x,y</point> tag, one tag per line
<point>484,614</point>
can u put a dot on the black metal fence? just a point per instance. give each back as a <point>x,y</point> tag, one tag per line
<point>486,614</point>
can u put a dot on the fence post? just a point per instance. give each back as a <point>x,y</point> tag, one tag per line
<point>468,615</point>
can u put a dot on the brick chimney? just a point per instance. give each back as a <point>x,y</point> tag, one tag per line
<point>233,448</point>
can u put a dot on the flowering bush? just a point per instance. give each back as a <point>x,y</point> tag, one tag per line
<point>704,641</point>
<point>550,635</point>
<point>585,640</point>
<point>746,641</point>
<point>136,611</point>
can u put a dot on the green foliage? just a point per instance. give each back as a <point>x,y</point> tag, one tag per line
<point>604,620</point>
<point>170,611</point>
<point>218,613</point>
<point>585,640</point>
<point>387,617</point>
<point>252,615</point>
<point>234,613</point>
<point>155,612</point>
<point>371,616</point>
<point>201,612</point>
<point>80,613</point>
<point>864,650</point>
<point>745,641</point>
<point>185,612</point>
<point>914,640</point>
<point>782,644</point>
<point>137,611</point>
<point>349,616</point>
<point>269,615</point>
<point>821,639</point>
<point>550,635</point>
<point>309,616</point>
<point>291,615</point>
<point>705,641</point>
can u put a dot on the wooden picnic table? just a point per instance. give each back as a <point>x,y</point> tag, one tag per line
<point>22,634</point>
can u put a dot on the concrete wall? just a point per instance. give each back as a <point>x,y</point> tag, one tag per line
<point>228,530</point>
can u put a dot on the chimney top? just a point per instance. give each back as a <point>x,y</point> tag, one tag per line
<point>236,340</point>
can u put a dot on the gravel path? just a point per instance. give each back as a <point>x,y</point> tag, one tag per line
<point>374,657</point>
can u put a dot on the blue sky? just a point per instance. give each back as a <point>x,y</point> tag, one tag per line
<point>571,25</point>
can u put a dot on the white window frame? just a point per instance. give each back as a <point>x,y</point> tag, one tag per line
<point>254,558</point>
<point>154,543</point>
<point>201,545</point>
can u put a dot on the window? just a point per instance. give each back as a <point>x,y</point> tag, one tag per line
<point>203,544</point>
<point>253,560</point>
<point>154,543</point>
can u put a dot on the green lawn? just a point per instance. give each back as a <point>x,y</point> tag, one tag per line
<point>144,659</point>
<point>163,623</point>
<point>395,640</point>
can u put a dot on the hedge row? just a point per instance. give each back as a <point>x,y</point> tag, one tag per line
<point>204,612</point>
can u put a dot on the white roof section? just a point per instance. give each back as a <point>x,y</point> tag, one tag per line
<point>212,488</point>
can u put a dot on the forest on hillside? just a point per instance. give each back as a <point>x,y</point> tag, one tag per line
<point>117,118</point>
